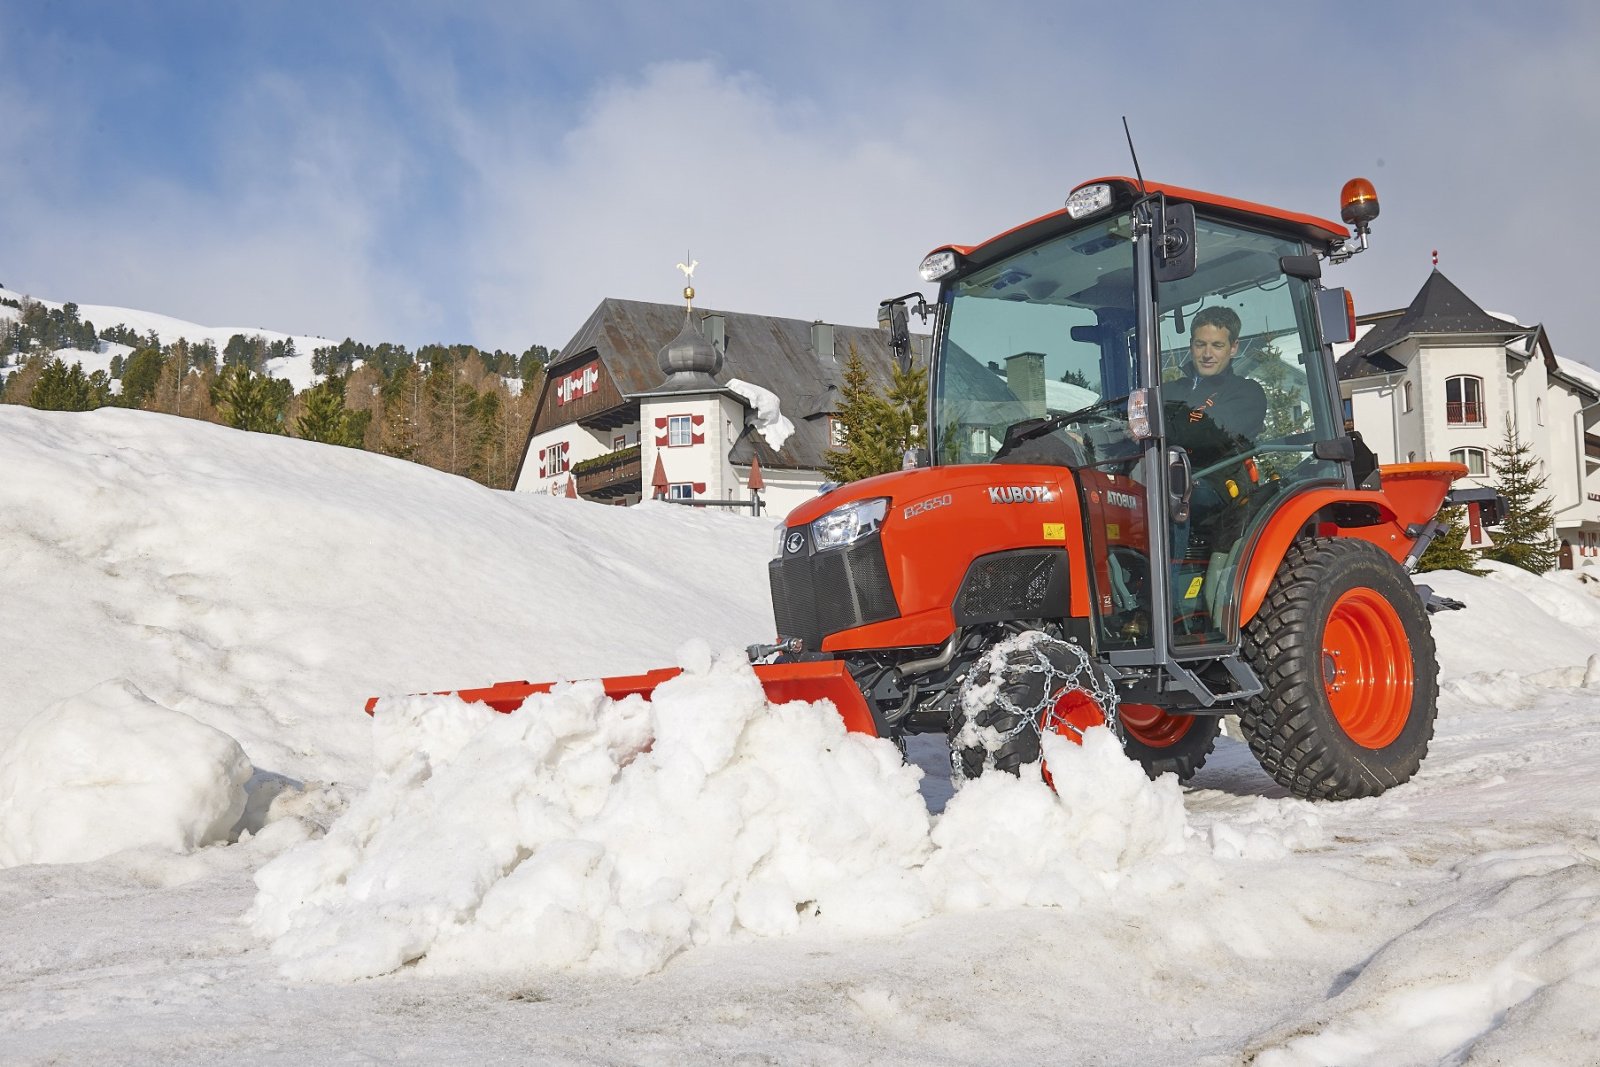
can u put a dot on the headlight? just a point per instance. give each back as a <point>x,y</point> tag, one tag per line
<point>848,524</point>
<point>777,540</point>
<point>937,264</point>
<point>1087,200</point>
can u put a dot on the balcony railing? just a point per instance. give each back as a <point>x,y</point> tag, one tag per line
<point>611,475</point>
<point>1464,412</point>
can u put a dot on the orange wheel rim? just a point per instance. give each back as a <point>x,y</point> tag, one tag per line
<point>1152,727</point>
<point>1367,671</point>
<point>1075,712</point>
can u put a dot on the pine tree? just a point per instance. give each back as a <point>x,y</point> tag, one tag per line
<point>326,419</point>
<point>1445,551</point>
<point>876,429</point>
<point>248,401</point>
<point>1527,537</point>
<point>141,372</point>
<point>63,388</point>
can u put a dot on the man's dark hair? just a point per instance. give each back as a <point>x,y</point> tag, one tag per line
<point>1227,318</point>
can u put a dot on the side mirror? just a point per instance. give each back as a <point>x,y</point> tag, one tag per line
<point>892,313</point>
<point>1177,252</point>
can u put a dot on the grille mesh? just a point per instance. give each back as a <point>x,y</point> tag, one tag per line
<point>1009,585</point>
<point>817,595</point>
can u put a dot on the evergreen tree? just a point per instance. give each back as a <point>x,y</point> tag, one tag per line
<point>250,401</point>
<point>876,428</point>
<point>141,371</point>
<point>63,388</point>
<point>1445,551</point>
<point>1527,538</point>
<point>326,419</point>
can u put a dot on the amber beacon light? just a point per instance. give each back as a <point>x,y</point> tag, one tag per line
<point>1358,203</point>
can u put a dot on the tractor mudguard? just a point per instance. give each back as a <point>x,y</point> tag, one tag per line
<point>783,682</point>
<point>1411,495</point>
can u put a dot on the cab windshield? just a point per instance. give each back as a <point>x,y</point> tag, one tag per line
<point>1041,344</point>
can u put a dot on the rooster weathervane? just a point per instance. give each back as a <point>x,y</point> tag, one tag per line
<point>688,279</point>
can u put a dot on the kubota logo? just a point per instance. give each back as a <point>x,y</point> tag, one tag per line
<point>1020,494</point>
<point>794,542</point>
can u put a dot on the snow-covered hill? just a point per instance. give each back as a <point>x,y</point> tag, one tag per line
<point>297,368</point>
<point>755,888</point>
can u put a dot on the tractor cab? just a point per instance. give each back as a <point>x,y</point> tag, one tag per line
<point>1172,348</point>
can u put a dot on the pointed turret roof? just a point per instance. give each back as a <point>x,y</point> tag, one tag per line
<point>1440,309</point>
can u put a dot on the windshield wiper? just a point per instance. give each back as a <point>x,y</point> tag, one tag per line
<point>1029,429</point>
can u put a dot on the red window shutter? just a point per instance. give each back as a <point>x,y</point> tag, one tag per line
<point>699,487</point>
<point>698,420</point>
<point>661,442</point>
<point>697,439</point>
<point>661,423</point>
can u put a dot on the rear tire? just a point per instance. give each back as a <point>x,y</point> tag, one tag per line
<point>1350,676</point>
<point>1167,744</point>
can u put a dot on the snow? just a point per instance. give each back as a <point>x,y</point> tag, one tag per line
<point>705,877</point>
<point>111,769</point>
<point>770,421</point>
<point>297,368</point>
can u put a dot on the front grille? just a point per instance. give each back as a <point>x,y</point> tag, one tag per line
<point>815,594</point>
<point>1014,585</point>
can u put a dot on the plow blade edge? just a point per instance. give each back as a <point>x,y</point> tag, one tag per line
<point>782,682</point>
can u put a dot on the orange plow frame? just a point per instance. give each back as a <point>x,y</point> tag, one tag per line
<point>782,682</point>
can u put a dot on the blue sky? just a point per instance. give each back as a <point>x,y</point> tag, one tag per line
<point>418,171</point>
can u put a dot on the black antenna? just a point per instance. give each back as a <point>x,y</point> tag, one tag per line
<point>1136,172</point>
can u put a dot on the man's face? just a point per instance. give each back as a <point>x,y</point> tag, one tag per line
<point>1211,350</point>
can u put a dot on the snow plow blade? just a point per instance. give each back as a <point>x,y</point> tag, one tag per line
<point>783,682</point>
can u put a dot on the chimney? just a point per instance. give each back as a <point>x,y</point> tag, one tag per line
<point>1025,379</point>
<point>715,327</point>
<point>822,340</point>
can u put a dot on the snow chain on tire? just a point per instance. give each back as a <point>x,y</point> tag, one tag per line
<point>1029,676</point>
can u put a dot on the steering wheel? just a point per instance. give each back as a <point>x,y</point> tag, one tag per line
<point>1266,448</point>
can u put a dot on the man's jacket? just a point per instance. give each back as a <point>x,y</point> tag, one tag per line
<point>1214,417</point>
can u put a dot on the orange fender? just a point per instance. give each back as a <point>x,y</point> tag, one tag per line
<point>1411,495</point>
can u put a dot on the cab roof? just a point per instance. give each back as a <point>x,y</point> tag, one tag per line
<point>1320,232</point>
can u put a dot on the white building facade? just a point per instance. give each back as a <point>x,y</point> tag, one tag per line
<point>655,400</point>
<point>1439,381</point>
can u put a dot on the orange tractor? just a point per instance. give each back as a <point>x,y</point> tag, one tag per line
<point>1095,534</point>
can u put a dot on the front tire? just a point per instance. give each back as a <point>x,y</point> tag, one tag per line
<point>1019,687</point>
<point>1350,675</point>
<point>1035,683</point>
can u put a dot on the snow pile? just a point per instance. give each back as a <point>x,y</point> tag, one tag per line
<point>111,770</point>
<point>1558,607</point>
<point>1009,842</point>
<point>581,831</point>
<point>770,421</point>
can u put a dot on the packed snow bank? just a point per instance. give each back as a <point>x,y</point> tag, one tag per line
<point>268,586</point>
<point>110,770</point>
<point>1487,636</point>
<point>581,831</point>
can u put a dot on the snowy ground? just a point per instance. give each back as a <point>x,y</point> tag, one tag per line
<point>753,888</point>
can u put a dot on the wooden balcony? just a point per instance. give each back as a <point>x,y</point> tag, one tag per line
<point>610,476</point>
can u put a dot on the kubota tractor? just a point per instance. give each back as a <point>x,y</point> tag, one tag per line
<point>1081,542</point>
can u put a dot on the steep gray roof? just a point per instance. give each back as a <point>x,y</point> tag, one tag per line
<point>774,353</point>
<point>1440,309</point>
